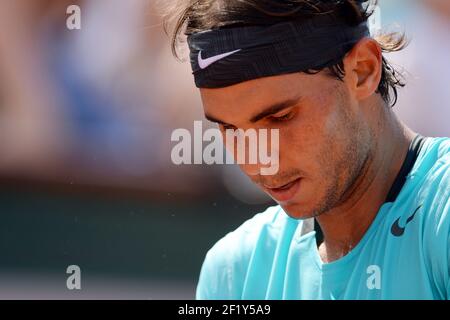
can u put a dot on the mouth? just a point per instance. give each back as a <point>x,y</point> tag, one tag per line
<point>285,192</point>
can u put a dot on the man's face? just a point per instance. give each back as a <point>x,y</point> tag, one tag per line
<point>324,138</point>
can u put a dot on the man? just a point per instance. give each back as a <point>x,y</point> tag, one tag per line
<point>363,200</point>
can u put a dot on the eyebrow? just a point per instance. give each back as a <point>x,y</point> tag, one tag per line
<point>272,109</point>
<point>212,119</point>
<point>275,108</point>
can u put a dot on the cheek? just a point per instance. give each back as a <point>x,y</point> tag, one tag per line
<point>300,143</point>
<point>315,123</point>
<point>311,143</point>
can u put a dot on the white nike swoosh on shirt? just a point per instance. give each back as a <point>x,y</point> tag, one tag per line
<point>205,63</point>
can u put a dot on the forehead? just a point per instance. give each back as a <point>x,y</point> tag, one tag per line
<point>261,92</point>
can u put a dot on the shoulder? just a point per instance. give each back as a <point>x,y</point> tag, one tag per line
<point>237,244</point>
<point>435,188</point>
<point>224,268</point>
<point>434,196</point>
<point>435,152</point>
<point>432,174</point>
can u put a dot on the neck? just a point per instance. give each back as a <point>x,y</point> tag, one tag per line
<point>345,225</point>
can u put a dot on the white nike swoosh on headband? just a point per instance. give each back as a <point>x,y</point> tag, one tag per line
<point>205,63</point>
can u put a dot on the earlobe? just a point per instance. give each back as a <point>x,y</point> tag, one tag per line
<point>363,66</point>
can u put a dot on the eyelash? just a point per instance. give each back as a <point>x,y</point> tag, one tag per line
<point>288,116</point>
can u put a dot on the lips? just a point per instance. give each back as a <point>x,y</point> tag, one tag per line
<point>286,192</point>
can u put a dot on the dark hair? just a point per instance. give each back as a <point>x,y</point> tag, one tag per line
<point>193,16</point>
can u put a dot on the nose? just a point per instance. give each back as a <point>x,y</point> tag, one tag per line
<point>255,151</point>
<point>245,154</point>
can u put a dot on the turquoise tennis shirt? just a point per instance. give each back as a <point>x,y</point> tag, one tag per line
<point>403,255</point>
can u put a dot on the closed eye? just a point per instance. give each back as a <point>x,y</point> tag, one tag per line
<point>285,116</point>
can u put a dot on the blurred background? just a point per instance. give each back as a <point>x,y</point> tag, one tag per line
<point>85,123</point>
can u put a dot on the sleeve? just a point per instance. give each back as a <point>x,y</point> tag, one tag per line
<point>213,278</point>
<point>447,249</point>
<point>445,224</point>
<point>447,217</point>
<point>222,273</point>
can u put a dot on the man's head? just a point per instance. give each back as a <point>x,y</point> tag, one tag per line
<point>328,115</point>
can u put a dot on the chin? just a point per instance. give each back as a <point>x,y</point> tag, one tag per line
<point>298,211</point>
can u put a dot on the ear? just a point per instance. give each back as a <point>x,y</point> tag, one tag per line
<point>363,68</point>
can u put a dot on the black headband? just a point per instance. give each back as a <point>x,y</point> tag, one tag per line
<point>223,57</point>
